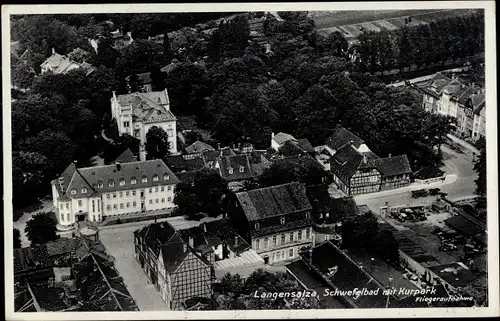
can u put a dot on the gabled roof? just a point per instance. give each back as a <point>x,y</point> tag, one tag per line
<point>180,163</point>
<point>346,161</point>
<point>198,147</point>
<point>61,246</point>
<point>280,138</point>
<point>454,274</point>
<point>174,252</point>
<point>111,176</point>
<point>391,166</point>
<point>305,145</point>
<point>290,148</point>
<point>126,157</point>
<point>235,167</point>
<point>149,107</point>
<point>273,201</point>
<point>342,137</point>
<point>155,235</point>
<point>144,78</point>
<point>478,102</point>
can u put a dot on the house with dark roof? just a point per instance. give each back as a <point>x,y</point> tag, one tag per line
<point>198,147</point>
<point>342,137</point>
<point>185,162</point>
<point>136,113</point>
<point>453,97</point>
<point>275,220</point>
<point>126,157</point>
<point>95,193</point>
<point>455,276</point>
<point>234,168</point>
<point>144,83</point>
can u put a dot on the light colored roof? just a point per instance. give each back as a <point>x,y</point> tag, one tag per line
<point>280,138</point>
<point>198,147</point>
<point>149,107</point>
<point>54,61</point>
<point>180,223</point>
<point>249,257</point>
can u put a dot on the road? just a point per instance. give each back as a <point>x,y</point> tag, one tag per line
<point>119,243</point>
<point>454,164</point>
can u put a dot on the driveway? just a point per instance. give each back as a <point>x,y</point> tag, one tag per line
<point>119,243</point>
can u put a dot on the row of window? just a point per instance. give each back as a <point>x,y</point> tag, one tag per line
<point>127,193</point>
<point>282,221</point>
<point>281,255</point>
<point>231,170</point>
<point>134,204</point>
<point>122,182</point>
<point>283,239</point>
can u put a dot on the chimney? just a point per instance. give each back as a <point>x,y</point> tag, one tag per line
<point>191,241</point>
<point>53,51</point>
<point>364,158</point>
<point>185,247</point>
<point>239,146</point>
<point>205,227</point>
<point>114,94</point>
<point>272,135</point>
<point>142,152</point>
<point>390,155</point>
<point>218,146</point>
<point>118,166</point>
<point>236,240</point>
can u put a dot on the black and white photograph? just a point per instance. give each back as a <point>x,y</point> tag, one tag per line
<point>232,159</point>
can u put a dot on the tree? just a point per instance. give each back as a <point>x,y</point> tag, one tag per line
<point>17,238</point>
<point>337,43</point>
<point>167,48</point>
<point>42,228</point>
<point>79,55</point>
<point>480,169</point>
<point>28,176</point>
<point>157,144</point>
<point>232,283</point>
<point>22,75</point>
<point>204,195</point>
<point>302,169</point>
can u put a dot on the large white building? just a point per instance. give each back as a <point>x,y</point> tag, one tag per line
<point>94,193</point>
<point>136,113</point>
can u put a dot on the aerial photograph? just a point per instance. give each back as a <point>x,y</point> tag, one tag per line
<point>267,160</point>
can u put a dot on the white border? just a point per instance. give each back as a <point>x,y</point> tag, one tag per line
<point>492,183</point>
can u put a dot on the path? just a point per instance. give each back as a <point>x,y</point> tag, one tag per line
<point>20,224</point>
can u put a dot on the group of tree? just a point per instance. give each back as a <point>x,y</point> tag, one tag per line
<point>480,169</point>
<point>295,169</point>
<point>40,229</point>
<point>420,45</point>
<point>237,293</point>
<point>362,232</point>
<point>157,144</point>
<point>205,195</point>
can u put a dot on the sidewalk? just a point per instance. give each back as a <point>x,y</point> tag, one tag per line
<point>450,179</point>
<point>463,144</point>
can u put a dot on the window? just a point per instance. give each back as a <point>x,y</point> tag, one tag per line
<point>308,233</point>
<point>299,234</point>
<point>242,169</point>
<point>67,217</point>
<point>166,177</point>
<point>126,124</point>
<point>163,200</point>
<point>84,190</point>
<point>127,193</point>
<point>67,206</point>
<point>121,206</point>
<point>278,256</point>
<point>169,199</point>
<point>133,193</point>
<point>230,170</point>
<point>257,244</point>
<point>291,237</point>
<point>308,215</point>
<point>61,206</point>
<point>121,194</point>
<point>128,204</point>
<point>134,204</point>
<point>80,203</point>
<point>282,220</point>
<point>111,183</point>
<point>162,188</point>
<point>62,217</point>
<point>169,188</point>
<point>73,192</point>
<point>100,184</point>
<point>133,180</point>
<point>257,226</point>
<point>115,206</point>
<point>155,178</point>
<point>114,195</point>
<point>150,201</point>
<point>327,215</point>
<point>156,189</point>
<point>275,240</point>
<point>290,253</point>
<point>150,190</point>
<point>108,196</point>
<point>283,239</point>
<point>157,201</point>
<point>266,243</point>
<point>122,182</point>
<point>144,179</point>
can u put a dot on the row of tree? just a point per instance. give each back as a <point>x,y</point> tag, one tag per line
<point>446,39</point>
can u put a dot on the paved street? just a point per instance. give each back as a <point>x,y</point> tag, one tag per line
<point>119,243</point>
<point>459,183</point>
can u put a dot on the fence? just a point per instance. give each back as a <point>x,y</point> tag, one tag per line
<point>431,180</point>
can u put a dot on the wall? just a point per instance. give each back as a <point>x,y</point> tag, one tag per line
<point>271,251</point>
<point>431,180</point>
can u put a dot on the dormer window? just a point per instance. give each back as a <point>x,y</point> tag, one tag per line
<point>122,182</point>
<point>242,169</point>
<point>282,220</point>
<point>111,183</point>
<point>73,192</point>
<point>144,179</point>
<point>166,177</point>
<point>155,178</point>
<point>230,170</point>
<point>133,180</point>
<point>257,226</point>
<point>308,215</point>
<point>84,190</point>
<point>100,184</point>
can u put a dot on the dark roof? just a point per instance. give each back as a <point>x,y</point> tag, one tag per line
<point>126,157</point>
<point>454,274</point>
<point>291,148</point>
<point>233,168</point>
<point>304,160</point>
<point>198,147</point>
<point>210,155</point>
<point>322,202</point>
<point>258,156</point>
<point>305,145</point>
<point>273,201</point>
<point>258,169</point>
<point>189,162</point>
<point>61,246</point>
<point>156,234</point>
<point>190,176</point>
<point>463,225</point>
<point>346,161</point>
<point>28,258</point>
<point>50,298</point>
<point>341,137</point>
<point>91,177</point>
<point>144,78</point>
<point>391,166</point>
<point>174,252</point>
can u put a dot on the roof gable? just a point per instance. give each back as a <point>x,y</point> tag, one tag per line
<point>235,167</point>
<point>341,137</point>
<point>392,166</point>
<point>126,157</point>
<point>280,138</point>
<point>346,161</point>
<point>198,147</point>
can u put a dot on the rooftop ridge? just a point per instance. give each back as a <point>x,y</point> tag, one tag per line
<point>269,187</point>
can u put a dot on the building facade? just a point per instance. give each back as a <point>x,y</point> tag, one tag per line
<point>138,112</point>
<point>275,220</point>
<point>95,193</point>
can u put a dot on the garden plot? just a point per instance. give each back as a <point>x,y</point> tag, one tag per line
<point>385,25</point>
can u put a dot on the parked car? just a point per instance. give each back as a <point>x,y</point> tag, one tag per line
<point>419,193</point>
<point>434,191</point>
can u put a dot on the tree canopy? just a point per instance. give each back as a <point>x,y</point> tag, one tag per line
<point>42,228</point>
<point>157,144</point>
